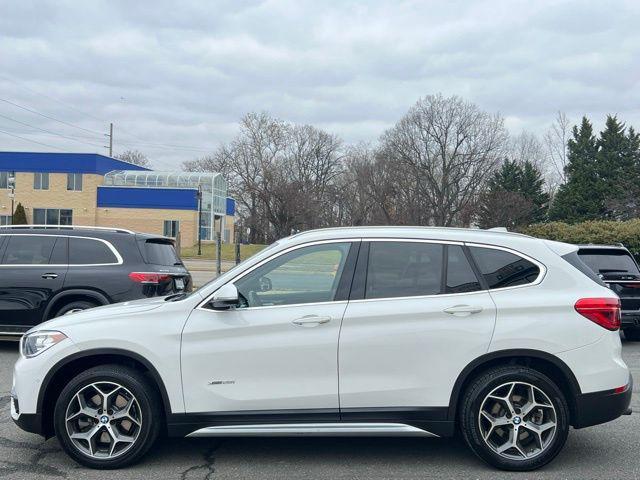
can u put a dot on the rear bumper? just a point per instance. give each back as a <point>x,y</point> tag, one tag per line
<point>630,318</point>
<point>600,407</point>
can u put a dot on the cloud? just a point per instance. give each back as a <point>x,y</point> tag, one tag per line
<point>183,74</point>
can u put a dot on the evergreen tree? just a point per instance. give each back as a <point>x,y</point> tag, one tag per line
<point>515,196</point>
<point>582,197</point>
<point>19,216</point>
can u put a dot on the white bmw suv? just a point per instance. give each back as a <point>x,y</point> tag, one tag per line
<point>354,331</point>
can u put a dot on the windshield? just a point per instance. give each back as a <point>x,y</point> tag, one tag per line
<point>609,261</point>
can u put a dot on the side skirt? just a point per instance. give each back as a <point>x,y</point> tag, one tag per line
<point>314,429</point>
<point>412,421</point>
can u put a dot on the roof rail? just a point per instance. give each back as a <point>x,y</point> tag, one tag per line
<point>68,227</point>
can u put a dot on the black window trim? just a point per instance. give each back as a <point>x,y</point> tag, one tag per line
<point>119,260</point>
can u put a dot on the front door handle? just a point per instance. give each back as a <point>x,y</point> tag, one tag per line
<point>49,276</point>
<point>311,321</point>
<point>462,310</point>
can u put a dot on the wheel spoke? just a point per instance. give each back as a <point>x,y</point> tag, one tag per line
<point>517,420</point>
<point>114,429</point>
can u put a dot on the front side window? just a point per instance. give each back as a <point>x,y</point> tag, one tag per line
<point>404,269</point>
<point>74,181</point>
<point>305,275</point>
<point>52,216</point>
<point>460,275</point>
<point>41,181</point>
<point>503,269</point>
<point>87,251</point>
<point>171,228</point>
<point>28,250</point>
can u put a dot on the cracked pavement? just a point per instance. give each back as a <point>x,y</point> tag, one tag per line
<point>604,451</point>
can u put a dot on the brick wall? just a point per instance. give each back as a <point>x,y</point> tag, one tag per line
<point>150,221</point>
<point>82,203</point>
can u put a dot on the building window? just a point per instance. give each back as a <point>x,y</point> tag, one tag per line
<point>5,219</point>
<point>41,181</point>
<point>52,216</point>
<point>5,179</point>
<point>74,182</point>
<point>171,228</point>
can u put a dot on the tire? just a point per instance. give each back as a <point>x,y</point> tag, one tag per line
<point>136,423</point>
<point>532,450</point>
<point>74,306</point>
<point>632,334</point>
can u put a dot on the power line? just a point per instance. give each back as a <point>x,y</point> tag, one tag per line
<point>32,141</point>
<point>165,146</point>
<point>50,118</point>
<point>15,82</point>
<point>50,132</point>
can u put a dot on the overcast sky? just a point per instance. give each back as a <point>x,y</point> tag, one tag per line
<point>182,73</point>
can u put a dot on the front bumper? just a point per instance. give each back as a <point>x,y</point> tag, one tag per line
<point>600,407</point>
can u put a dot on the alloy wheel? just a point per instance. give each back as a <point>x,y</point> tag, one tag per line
<point>103,420</point>
<point>517,421</point>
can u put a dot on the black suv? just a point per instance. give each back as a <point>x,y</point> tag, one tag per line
<point>615,265</point>
<point>47,272</point>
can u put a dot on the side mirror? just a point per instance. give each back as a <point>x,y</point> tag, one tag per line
<point>225,297</point>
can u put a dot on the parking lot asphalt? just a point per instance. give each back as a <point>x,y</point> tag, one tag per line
<point>603,452</point>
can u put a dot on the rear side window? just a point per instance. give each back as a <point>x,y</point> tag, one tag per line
<point>460,275</point>
<point>404,269</point>
<point>608,260</point>
<point>503,269</point>
<point>28,250</point>
<point>161,253</point>
<point>87,251</point>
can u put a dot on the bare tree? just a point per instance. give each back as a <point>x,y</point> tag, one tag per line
<point>136,157</point>
<point>527,147</point>
<point>450,147</point>
<point>556,139</point>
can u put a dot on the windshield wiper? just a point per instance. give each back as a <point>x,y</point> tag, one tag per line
<point>176,296</point>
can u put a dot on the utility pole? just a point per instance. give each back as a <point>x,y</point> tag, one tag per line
<point>199,220</point>
<point>12,185</point>
<point>111,139</point>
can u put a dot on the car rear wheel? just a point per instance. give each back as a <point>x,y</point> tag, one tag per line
<point>107,417</point>
<point>73,307</point>
<point>632,334</point>
<point>514,418</point>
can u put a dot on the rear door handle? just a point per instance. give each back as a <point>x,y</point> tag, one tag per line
<point>311,321</point>
<point>49,276</point>
<point>462,310</point>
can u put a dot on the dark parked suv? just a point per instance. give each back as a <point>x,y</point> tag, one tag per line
<point>615,265</point>
<point>47,272</point>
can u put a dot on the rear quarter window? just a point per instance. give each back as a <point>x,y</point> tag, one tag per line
<point>502,269</point>
<point>88,251</point>
<point>160,253</point>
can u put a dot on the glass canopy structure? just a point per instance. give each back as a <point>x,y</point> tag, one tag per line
<point>212,185</point>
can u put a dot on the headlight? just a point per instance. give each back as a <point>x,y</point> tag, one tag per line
<point>37,342</point>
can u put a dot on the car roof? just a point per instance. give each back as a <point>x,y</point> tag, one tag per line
<point>77,231</point>
<point>470,235</point>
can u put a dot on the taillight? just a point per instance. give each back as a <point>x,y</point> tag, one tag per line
<point>603,311</point>
<point>149,277</point>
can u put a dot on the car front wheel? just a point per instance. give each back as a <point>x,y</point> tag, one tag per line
<point>107,417</point>
<point>514,418</point>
